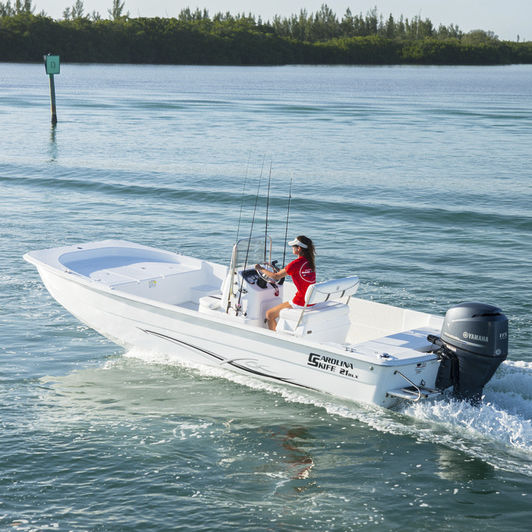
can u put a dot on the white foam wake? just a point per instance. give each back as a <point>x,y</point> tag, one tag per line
<point>499,431</point>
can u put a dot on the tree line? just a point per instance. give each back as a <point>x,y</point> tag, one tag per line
<point>196,37</point>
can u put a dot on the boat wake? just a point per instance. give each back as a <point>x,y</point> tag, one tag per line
<point>498,432</point>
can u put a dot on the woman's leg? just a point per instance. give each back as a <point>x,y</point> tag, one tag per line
<point>273,313</point>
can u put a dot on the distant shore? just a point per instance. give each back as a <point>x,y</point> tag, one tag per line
<point>198,39</point>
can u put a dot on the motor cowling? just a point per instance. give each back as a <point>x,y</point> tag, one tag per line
<point>473,343</point>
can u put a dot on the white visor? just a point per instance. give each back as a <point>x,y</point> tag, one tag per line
<point>296,242</point>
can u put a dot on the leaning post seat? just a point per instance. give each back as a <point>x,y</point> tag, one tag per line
<point>327,320</point>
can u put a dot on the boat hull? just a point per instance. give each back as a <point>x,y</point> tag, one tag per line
<point>191,337</point>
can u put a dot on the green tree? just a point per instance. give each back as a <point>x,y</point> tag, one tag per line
<point>195,37</point>
<point>20,7</point>
<point>390,28</point>
<point>77,10</point>
<point>117,10</point>
<point>6,10</point>
<point>479,37</point>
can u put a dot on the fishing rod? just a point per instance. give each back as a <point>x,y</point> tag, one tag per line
<point>235,252</point>
<point>267,209</point>
<point>287,218</point>
<point>250,235</point>
<point>254,213</point>
<point>242,200</point>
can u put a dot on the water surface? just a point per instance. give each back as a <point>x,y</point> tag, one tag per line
<point>415,178</point>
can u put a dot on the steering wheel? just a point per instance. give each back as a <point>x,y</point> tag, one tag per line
<point>263,275</point>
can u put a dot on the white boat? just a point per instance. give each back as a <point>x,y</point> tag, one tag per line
<point>206,313</point>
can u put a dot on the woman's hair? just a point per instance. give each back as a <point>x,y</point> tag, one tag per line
<point>309,252</point>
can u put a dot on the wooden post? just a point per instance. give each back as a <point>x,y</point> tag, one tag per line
<point>52,100</point>
<point>52,66</point>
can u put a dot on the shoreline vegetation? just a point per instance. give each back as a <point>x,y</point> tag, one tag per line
<point>197,38</point>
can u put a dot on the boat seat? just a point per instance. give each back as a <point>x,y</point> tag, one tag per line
<point>324,322</point>
<point>325,315</point>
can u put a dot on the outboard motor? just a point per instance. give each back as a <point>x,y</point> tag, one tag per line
<point>473,343</point>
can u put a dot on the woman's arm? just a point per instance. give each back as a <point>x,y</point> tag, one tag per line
<point>274,275</point>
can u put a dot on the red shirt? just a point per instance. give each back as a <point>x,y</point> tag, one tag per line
<point>303,276</point>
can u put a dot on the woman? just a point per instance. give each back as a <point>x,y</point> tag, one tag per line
<point>303,273</point>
